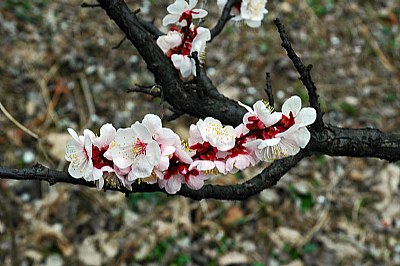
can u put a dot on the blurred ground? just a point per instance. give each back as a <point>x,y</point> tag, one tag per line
<point>57,70</point>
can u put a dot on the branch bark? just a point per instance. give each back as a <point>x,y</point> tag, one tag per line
<point>201,98</point>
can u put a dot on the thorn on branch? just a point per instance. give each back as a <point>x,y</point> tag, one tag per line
<point>86,5</point>
<point>268,90</point>
<point>149,90</point>
<point>119,44</point>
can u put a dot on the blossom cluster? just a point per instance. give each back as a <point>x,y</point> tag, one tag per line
<point>250,11</point>
<point>148,152</point>
<point>184,37</point>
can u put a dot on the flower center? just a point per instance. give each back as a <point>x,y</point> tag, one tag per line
<point>205,151</point>
<point>98,158</point>
<point>139,148</point>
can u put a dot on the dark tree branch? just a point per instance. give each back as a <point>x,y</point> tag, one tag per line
<point>304,72</point>
<point>213,104</point>
<point>149,26</point>
<point>325,139</point>
<point>268,89</point>
<point>86,5</point>
<point>225,17</point>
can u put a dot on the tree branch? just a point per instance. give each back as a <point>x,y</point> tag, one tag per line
<point>325,139</point>
<point>304,72</point>
<point>225,17</point>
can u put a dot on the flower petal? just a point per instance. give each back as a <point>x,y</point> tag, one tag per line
<point>178,7</point>
<point>152,123</point>
<point>107,135</point>
<point>74,135</point>
<point>194,182</point>
<point>192,4</point>
<point>306,116</point>
<point>141,132</point>
<point>170,19</point>
<point>200,13</point>
<point>125,137</point>
<point>293,104</point>
<point>174,184</point>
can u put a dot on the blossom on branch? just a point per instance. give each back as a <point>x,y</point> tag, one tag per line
<point>134,147</point>
<point>210,140</point>
<point>181,13</point>
<point>283,137</point>
<point>250,11</point>
<point>149,152</point>
<point>79,154</point>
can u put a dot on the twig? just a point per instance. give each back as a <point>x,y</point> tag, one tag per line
<point>119,44</point>
<point>85,5</point>
<point>150,90</point>
<point>267,178</point>
<point>18,124</point>
<point>225,17</point>
<point>304,72</point>
<point>268,89</point>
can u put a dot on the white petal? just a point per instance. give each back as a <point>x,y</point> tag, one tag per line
<point>89,133</point>
<point>269,142</point>
<point>173,184</point>
<point>302,137</point>
<point>74,135</point>
<point>183,156</point>
<point>202,165</point>
<point>195,183</point>
<point>192,4</point>
<point>163,164</point>
<point>107,135</point>
<point>248,108</point>
<point>241,162</point>
<point>201,13</point>
<point>88,146</point>
<point>178,7</point>
<point>141,167</point>
<point>292,104</point>
<point>168,150</point>
<point>177,60</point>
<point>97,174</point>
<point>74,150</point>
<point>170,19</point>
<point>221,166</point>
<point>122,157</point>
<point>185,67</point>
<point>125,137</point>
<point>141,132</point>
<point>152,122</point>
<point>253,23</point>
<point>78,168</point>
<point>306,116</point>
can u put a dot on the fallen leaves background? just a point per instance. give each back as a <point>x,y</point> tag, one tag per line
<point>58,70</point>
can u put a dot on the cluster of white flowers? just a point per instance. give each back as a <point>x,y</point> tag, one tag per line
<point>250,11</point>
<point>184,38</point>
<point>150,153</point>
